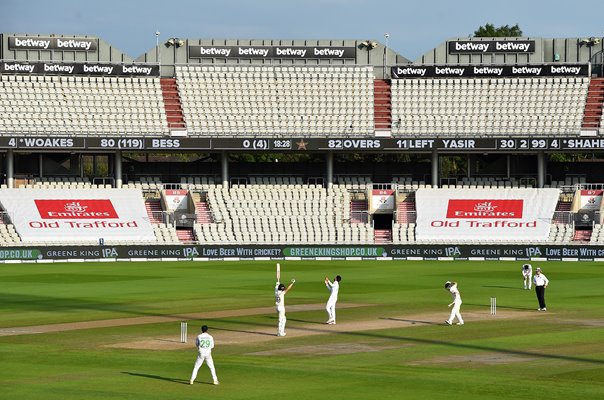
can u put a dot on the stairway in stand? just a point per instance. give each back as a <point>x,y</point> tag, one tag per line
<point>582,235</point>
<point>406,212</point>
<point>185,235</point>
<point>382,105</point>
<point>593,107</point>
<point>154,210</point>
<point>559,215</point>
<point>172,104</point>
<point>382,235</point>
<point>204,215</point>
<point>358,211</point>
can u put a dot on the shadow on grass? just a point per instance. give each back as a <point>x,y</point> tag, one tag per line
<point>446,343</point>
<point>244,331</point>
<point>306,321</point>
<point>413,321</point>
<point>49,303</point>
<point>161,378</point>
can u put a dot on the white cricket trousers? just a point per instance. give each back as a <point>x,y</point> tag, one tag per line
<point>527,281</point>
<point>201,357</point>
<point>331,310</point>
<point>282,320</point>
<point>456,314</point>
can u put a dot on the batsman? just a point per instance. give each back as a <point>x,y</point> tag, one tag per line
<point>334,288</point>
<point>280,291</point>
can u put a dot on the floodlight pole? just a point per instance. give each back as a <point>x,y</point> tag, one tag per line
<point>157,33</point>
<point>387,36</point>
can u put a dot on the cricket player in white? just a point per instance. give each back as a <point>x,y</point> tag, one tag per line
<point>280,291</point>
<point>527,274</point>
<point>334,288</point>
<point>452,288</point>
<point>205,344</point>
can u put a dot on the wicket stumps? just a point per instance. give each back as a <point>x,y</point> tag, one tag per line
<point>183,332</point>
<point>493,305</point>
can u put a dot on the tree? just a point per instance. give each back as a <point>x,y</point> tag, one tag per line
<point>489,30</point>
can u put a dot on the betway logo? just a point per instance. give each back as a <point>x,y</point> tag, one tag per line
<point>484,208</point>
<point>476,47</point>
<point>76,209</point>
<point>95,69</point>
<point>512,46</point>
<point>58,68</point>
<point>290,52</point>
<point>488,71</point>
<point>410,71</point>
<point>18,67</point>
<point>252,51</point>
<point>565,70</point>
<point>37,43</point>
<point>213,51</point>
<point>73,44</point>
<point>328,52</point>
<point>448,71</point>
<point>136,70</point>
<point>527,70</point>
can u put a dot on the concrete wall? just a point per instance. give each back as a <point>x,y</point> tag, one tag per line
<point>570,50</point>
<point>104,52</point>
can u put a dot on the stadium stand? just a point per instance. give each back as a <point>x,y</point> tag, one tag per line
<point>494,106</point>
<point>319,108</point>
<point>63,105</point>
<point>282,213</point>
<point>276,101</point>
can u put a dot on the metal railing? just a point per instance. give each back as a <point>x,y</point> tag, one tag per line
<point>162,217</point>
<point>359,217</point>
<point>405,217</point>
<point>563,217</point>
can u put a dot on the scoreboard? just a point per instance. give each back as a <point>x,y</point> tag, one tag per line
<point>300,144</point>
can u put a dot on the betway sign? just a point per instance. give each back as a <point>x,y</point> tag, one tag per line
<point>266,52</point>
<point>74,215</point>
<point>52,43</point>
<point>506,215</point>
<point>17,67</point>
<point>491,46</point>
<point>489,71</point>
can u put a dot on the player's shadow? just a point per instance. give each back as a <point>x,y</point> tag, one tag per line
<point>412,321</point>
<point>161,378</point>
<point>242,331</point>
<point>306,321</point>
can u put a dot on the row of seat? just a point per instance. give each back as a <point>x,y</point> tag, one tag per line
<point>282,214</point>
<point>84,105</point>
<point>441,106</point>
<point>297,107</point>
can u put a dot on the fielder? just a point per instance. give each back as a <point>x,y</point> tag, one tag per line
<point>205,344</point>
<point>334,288</point>
<point>452,288</point>
<point>280,291</point>
<point>527,274</point>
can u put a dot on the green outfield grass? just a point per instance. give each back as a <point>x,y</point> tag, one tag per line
<point>558,354</point>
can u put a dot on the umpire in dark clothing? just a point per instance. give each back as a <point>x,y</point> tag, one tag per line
<point>541,283</point>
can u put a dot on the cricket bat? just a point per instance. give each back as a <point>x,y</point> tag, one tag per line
<point>278,272</point>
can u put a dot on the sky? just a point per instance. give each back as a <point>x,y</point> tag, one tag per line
<point>415,26</point>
